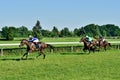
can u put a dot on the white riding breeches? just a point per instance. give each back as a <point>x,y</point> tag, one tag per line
<point>36,41</point>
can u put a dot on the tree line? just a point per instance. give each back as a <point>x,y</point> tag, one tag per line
<point>93,30</point>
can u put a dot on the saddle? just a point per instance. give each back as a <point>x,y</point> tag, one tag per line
<point>38,45</point>
<point>91,43</point>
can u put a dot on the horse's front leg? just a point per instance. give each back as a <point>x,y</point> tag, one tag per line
<point>24,55</point>
<point>84,49</point>
<point>105,47</point>
<point>27,55</point>
<point>89,48</point>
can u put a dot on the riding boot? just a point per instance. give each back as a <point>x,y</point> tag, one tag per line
<point>37,46</point>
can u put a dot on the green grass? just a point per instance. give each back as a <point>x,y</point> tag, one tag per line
<point>95,66</point>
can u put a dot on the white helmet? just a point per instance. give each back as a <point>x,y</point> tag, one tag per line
<point>87,36</point>
<point>30,36</point>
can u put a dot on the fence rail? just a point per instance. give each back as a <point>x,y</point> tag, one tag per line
<point>16,44</point>
<point>71,47</point>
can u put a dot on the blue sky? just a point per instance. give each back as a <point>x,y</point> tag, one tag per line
<point>60,13</point>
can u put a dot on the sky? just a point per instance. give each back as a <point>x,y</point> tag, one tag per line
<point>59,13</point>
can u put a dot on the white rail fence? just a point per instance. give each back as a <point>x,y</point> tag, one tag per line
<point>17,44</point>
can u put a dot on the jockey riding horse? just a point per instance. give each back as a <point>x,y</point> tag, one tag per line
<point>89,44</point>
<point>102,42</point>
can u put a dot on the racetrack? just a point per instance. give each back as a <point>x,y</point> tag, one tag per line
<point>95,66</point>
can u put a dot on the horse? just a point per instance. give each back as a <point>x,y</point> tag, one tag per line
<point>103,43</point>
<point>88,46</point>
<point>31,47</point>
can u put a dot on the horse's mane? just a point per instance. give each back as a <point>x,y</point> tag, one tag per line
<point>24,39</point>
<point>32,42</point>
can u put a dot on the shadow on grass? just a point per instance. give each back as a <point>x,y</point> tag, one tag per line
<point>15,59</point>
<point>74,53</point>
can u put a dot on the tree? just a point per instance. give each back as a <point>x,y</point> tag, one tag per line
<point>10,34</point>
<point>82,31</point>
<point>79,32</point>
<point>111,30</point>
<point>65,32</point>
<point>92,30</point>
<point>76,32</point>
<point>37,30</point>
<point>46,33</point>
<point>55,32</point>
<point>14,31</point>
<point>23,31</point>
<point>4,31</point>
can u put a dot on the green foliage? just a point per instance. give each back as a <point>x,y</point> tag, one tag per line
<point>55,32</point>
<point>96,30</point>
<point>79,32</point>
<point>23,31</point>
<point>65,32</point>
<point>46,33</point>
<point>93,30</point>
<point>4,31</point>
<point>37,30</point>
<point>10,33</point>
<point>110,30</point>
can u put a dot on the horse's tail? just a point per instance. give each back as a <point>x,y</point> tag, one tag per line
<point>49,45</point>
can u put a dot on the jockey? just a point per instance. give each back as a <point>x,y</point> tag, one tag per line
<point>89,39</point>
<point>30,38</point>
<point>102,38</point>
<point>34,40</point>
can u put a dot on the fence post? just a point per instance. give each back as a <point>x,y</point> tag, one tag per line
<point>71,48</point>
<point>51,50</point>
<point>1,52</point>
<point>118,46</point>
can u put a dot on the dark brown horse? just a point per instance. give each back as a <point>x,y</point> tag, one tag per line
<point>102,43</point>
<point>89,46</point>
<point>31,47</point>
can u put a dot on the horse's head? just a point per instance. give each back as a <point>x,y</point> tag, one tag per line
<point>82,39</point>
<point>23,42</point>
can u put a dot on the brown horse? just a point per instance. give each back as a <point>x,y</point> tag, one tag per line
<point>103,43</point>
<point>89,46</point>
<point>31,47</point>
